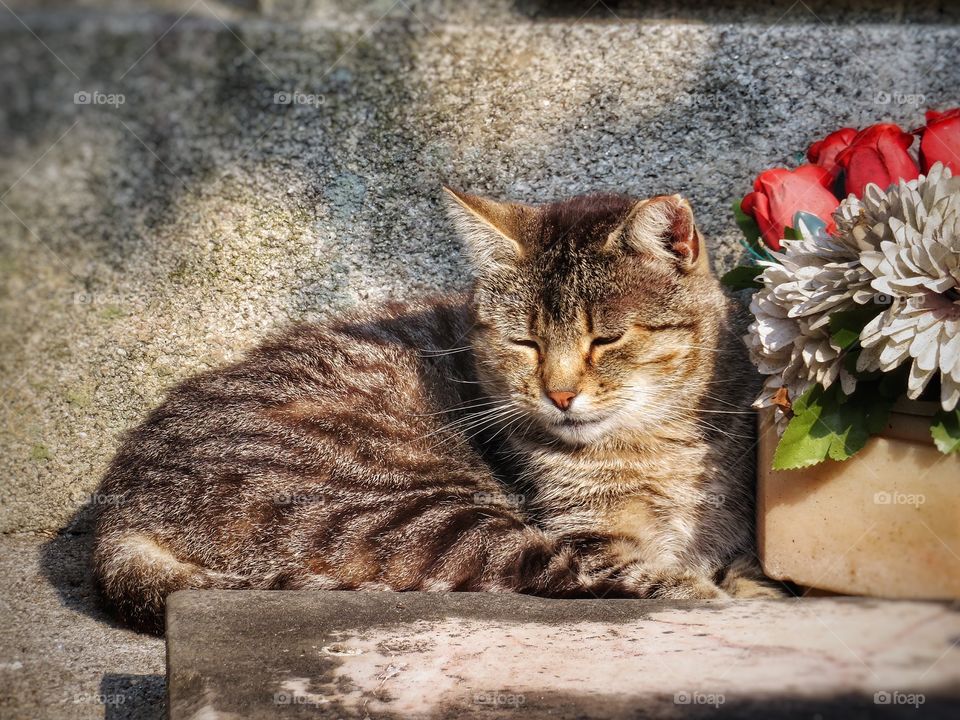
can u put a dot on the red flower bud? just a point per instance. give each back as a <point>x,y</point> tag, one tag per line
<point>878,154</point>
<point>824,152</point>
<point>779,194</point>
<point>940,140</point>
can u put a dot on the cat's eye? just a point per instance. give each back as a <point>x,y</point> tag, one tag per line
<point>526,342</point>
<point>606,340</point>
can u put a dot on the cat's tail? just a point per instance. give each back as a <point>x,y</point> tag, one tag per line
<point>136,574</point>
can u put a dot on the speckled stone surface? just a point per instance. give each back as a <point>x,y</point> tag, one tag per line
<point>144,241</point>
<point>476,655</point>
<point>61,657</point>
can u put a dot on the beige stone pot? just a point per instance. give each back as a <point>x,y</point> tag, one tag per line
<point>884,523</point>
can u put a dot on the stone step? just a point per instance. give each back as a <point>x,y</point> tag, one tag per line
<point>474,655</point>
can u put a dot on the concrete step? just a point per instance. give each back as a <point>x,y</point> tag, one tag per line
<point>476,655</point>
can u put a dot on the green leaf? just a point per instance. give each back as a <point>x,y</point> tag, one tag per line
<point>844,338</point>
<point>829,424</point>
<point>752,239</point>
<point>742,277</point>
<point>800,446</point>
<point>748,226</point>
<point>846,325</point>
<point>790,234</point>
<point>946,431</point>
<point>894,384</point>
<point>878,400</point>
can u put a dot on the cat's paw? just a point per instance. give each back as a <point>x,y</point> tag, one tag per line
<point>756,588</point>
<point>673,585</point>
<point>744,578</point>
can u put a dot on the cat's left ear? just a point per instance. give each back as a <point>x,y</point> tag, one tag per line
<point>664,226</point>
<point>493,231</point>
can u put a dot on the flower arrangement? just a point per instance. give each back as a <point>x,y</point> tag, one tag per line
<point>855,258</point>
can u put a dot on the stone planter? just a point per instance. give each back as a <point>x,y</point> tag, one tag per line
<point>884,523</point>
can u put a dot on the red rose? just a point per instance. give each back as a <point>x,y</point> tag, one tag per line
<point>779,194</point>
<point>878,154</point>
<point>824,153</point>
<point>940,140</point>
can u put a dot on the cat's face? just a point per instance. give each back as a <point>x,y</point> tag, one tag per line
<point>593,316</point>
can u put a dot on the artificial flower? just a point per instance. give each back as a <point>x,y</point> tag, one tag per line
<point>917,264</point>
<point>877,154</point>
<point>809,280</point>
<point>779,194</point>
<point>940,140</point>
<point>824,152</point>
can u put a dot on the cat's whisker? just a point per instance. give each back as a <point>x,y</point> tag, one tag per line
<point>722,412</point>
<point>514,419</point>
<point>681,389</point>
<point>686,414</point>
<point>471,419</point>
<point>722,401</point>
<point>442,352</point>
<point>653,403</point>
<point>487,423</point>
<point>468,405</point>
<point>699,347</point>
<point>467,420</point>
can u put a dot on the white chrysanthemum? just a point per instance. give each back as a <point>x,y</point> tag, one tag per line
<point>816,276</point>
<point>828,272</point>
<point>918,265</point>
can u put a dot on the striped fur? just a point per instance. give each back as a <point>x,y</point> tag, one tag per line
<point>412,446</point>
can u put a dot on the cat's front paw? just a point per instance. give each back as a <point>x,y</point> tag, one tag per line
<point>744,578</point>
<point>669,584</point>
<point>755,588</point>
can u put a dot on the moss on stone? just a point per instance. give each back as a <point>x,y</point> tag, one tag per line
<point>40,452</point>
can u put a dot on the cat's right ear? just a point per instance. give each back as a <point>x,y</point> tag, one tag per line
<point>663,226</point>
<point>491,230</point>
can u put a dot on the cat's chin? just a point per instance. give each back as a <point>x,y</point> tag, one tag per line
<point>581,432</point>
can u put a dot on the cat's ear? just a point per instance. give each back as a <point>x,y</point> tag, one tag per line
<point>664,226</point>
<point>491,230</point>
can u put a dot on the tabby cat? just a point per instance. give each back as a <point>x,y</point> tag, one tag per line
<point>573,427</point>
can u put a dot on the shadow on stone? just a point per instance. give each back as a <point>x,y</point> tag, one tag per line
<point>65,561</point>
<point>134,697</point>
<point>780,12</point>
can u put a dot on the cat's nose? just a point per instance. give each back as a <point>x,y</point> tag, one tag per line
<point>562,398</point>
